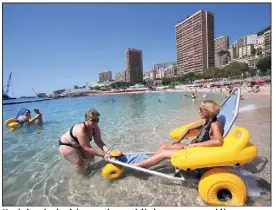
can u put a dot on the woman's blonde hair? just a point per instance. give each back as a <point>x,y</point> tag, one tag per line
<point>212,107</point>
<point>91,114</point>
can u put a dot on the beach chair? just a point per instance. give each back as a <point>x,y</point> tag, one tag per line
<point>12,123</point>
<point>218,185</point>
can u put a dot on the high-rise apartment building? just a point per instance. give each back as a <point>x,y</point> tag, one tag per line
<point>170,71</point>
<point>221,44</point>
<point>153,74</point>
<point>105,76</point>
<point>134,65</point>
<point>195,43</point>
<point>157,66</point>
<point>246,51</point>
<point>120,76</point>
<point>251,39</point>
<point>267,43</point>
<point>232,51</point>
<point>146,75</point>
<point>244,41</point>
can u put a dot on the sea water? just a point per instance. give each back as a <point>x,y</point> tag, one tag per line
<point>34,173</point>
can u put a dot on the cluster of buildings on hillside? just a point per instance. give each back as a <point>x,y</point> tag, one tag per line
<point>248,49</point>
<point>196,50</point>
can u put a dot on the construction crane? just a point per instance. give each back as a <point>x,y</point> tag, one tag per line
<point>8,85</point>
<point>5,95</point>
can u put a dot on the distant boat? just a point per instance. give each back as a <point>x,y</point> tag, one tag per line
<point>27,97</point>
<point>5,95</point>
<point>40,95</point>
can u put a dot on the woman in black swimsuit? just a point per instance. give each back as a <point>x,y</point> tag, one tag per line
<point>209,135</point>
<point>75,146</point>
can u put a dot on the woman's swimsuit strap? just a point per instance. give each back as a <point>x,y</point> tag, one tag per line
<point>71,134</point>
<point>204,132</point>
<point>73,137</point>
<point>61,143</point>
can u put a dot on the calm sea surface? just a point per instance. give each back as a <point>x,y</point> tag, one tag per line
<point>34,174</point>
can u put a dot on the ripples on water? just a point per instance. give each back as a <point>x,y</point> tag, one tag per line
<point>34,174</point>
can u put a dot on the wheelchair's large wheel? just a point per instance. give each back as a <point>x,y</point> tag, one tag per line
<point>222,187</point>
<point>112,171</point>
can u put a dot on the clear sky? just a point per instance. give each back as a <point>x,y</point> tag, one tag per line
<point>53,46</point>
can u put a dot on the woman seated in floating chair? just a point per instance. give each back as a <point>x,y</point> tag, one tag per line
<point>211,134</point>
<point>24,118</point>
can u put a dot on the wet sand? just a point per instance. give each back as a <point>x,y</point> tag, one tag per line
<point>258,123</point>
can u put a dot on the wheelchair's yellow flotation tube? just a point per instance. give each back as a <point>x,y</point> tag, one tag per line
<point>235,151</point>
<point>176,133</point>
<point>10,120</point>
<point>113,171</point>
<point>13,124</point>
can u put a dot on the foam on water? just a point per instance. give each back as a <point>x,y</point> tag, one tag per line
<point>247,108</point>
<point>35,174</point>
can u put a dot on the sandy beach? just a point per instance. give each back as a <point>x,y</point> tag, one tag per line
<point>258,123</point>
<point>245,91</point>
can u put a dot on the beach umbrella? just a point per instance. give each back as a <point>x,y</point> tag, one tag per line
<point>260,80</point>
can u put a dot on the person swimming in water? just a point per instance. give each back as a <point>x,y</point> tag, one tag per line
<point>193,97</point>
<point>112,101</point>
<point>159,100</point>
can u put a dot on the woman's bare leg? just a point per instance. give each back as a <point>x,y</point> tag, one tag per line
<point>169,146</point>
<point>157,158</point>
<point>87,156</point>
<point>73,155</point>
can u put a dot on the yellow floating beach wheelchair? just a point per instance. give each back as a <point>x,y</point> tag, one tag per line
<point>12,123</point>
<point>218,186</point>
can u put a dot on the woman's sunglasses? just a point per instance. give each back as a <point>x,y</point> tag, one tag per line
<point>96,120</point>
<point>201,109</point>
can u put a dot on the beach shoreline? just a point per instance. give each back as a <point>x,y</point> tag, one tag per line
<point>245,91</point>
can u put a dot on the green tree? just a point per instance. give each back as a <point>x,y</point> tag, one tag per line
<point>211,73</point>
<point>166,81</point>
<point>264,65</point>
<point>76,87</point>
<point>190,77</point>
<point>117,85</point>
<point>252,72</point>
<point>223,73</point>
<point>236,69</point>
<point>198,76</point>
<point>150,83</point>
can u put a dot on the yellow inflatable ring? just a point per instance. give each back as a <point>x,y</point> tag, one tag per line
<point>176,133</point>
<point>10,120</point>
<point>116,153</point>
<point>222,187</point>
<point>112,171</point>
<point>13,125</point>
